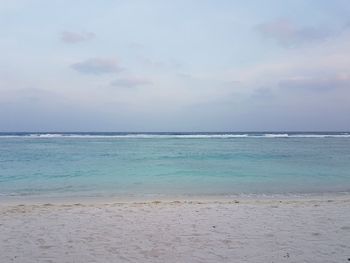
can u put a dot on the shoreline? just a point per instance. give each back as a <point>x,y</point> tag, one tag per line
<point>206,199</point>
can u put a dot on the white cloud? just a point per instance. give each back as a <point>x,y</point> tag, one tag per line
<point>326,61</point>
<point>97,66</point>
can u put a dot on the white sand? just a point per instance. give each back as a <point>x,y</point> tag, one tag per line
<point>248,231</point>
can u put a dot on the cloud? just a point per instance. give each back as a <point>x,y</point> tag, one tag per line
<point>307,87</point>
<point>131,82</point>
<point>70,37</point>
<point>316,84</point>
<point>287,33</point>
<point>97,66</point>
<point>327,60</point>
<point>36,109</point>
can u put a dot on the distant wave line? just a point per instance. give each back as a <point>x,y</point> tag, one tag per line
<point>170,136</point>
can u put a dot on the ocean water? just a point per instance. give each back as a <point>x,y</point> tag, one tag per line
<point>172,164</point>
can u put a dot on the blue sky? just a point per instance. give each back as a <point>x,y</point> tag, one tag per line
<point>174,65</point>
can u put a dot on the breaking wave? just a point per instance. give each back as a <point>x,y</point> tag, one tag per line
<point>176,135</point>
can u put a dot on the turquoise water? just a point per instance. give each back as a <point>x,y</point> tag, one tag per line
<point>139,165</point>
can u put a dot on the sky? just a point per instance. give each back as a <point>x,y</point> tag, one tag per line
<point>185,65</point>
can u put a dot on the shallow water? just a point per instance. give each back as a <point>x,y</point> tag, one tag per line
<point>167,164</point>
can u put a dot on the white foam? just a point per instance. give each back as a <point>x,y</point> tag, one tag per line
<point>276,135</point>
<point>320,136</point>
<point>174,136</point>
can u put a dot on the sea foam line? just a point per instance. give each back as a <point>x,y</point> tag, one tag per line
<point>181,136</point>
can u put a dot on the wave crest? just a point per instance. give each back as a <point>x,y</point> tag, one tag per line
<point>176,135</point>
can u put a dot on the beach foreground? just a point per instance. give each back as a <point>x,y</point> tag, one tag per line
<point>264,230</point>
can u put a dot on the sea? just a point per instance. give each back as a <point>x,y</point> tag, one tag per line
<point>172,165</point>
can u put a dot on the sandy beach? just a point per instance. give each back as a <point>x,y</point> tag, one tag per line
<point>249,230</point>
